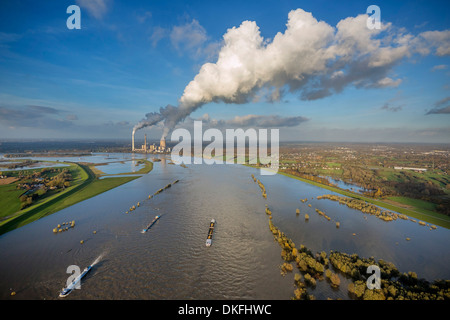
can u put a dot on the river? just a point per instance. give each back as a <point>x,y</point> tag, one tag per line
<point>171,261</point>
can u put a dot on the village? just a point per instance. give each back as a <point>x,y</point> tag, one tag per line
<point>37,183</point>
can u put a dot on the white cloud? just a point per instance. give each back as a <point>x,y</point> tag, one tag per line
<point>437,39</point>
<point>388,82</point>
<point>441,107</point>
<point>189,37</point>
<point>141,18</point>
<point>265,121</point>
<point>97,8</point>
<point>71,117</point>
<point>157,35</point>
<point>439,67</point>
<point>249,120</point>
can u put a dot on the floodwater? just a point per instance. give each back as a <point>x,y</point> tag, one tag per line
<point>346,186</point>
<point>37,165</point>
<point>171,261</point>
<point>108,163</point>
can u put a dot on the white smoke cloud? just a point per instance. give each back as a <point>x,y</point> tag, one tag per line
<point>254,121</point>
<point>311,58</point>
<point>151,119</point>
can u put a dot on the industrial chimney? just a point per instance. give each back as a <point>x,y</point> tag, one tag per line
<point>132,141</point>
<point>145,144</point>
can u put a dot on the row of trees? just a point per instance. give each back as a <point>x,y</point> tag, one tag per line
<point>61,180</point>
<point>308,176</point>
<point>38,190</point>
<point>402,183</point>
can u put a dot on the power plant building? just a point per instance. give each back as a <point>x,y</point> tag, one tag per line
<point>162,148</point>
<point>162,143</point>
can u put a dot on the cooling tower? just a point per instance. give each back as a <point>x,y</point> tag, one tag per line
<point>162,143</point>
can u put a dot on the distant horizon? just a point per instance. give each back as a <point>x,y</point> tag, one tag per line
<point>151,140</point>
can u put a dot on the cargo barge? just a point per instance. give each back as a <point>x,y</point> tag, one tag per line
<point>151,224</point>
<point>210,233</point>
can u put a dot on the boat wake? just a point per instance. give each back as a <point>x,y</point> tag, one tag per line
<point>97,260</point>
<point>75,283</point>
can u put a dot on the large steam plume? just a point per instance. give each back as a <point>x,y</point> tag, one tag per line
<point>151,119</point>
<point>310,57</point>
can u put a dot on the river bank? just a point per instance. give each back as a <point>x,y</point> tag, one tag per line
<point>88,185</point>
<point>437,218</point>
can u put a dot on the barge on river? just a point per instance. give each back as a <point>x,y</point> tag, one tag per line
<point>210,233</point>
<point>150,225</point>
<point>74,284</point>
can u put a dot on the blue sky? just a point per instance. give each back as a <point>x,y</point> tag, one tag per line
<point>133,57</point>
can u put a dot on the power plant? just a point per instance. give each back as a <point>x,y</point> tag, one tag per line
<point>162,148</point>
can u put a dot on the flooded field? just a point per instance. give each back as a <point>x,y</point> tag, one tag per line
<point>171,261</point>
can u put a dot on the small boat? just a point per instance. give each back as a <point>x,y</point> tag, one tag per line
<point>151,224</point>
<point>210,233</point>
<point>66,291</point>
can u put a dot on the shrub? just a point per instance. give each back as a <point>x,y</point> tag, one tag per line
<point>357,288</point>
<point>310,280</point>
<point>335,281</point>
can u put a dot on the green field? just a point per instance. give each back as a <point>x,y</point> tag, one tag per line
<point>9,199</point>
<point>333,164</point>
<point>415,203</point>
<point>85,185</point>
<point>10,203</point>
<point>437,177</point>
<point>419,210</point>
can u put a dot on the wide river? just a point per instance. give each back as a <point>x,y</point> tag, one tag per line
<point>171,261</point>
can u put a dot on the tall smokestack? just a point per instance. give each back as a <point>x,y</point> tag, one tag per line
<point>132,140</point>
<point>145,143</point>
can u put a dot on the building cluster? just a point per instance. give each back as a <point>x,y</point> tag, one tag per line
<point>412,169</point>
<point>153,148</point>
